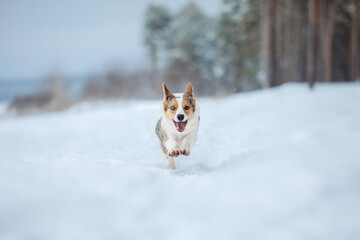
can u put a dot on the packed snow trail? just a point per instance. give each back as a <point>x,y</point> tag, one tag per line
<point>281,163</point>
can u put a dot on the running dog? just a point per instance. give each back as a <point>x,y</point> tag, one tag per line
<point>177,128</point>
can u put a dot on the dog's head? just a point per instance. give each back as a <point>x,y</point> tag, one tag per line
<point>179,108</point>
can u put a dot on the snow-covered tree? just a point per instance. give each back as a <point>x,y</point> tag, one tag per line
<point>193,45</point>
<point>239,34</point>
<point>157,22</point>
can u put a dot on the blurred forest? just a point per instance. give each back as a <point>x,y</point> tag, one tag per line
<point>250,44</point>
<point>254,44</point>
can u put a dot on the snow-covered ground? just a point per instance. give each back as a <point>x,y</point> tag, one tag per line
<point>282,163</point>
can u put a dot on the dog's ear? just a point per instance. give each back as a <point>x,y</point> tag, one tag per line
<point>167,94</point>
<point>189,91</point>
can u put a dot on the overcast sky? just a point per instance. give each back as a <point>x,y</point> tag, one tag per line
<point>76,36</point>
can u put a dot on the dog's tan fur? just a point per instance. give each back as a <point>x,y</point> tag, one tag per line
<point>169,113</point>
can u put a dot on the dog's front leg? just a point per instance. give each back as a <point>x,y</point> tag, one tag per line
<point>185,150</point>
<point>172,151</point>
<point>173,148</point>
<point>186,145</point>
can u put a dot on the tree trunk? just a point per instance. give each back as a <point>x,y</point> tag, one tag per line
<point>279,42</point>
<point>354,43</point>
<point>329,29</point>
<point>314,10</point>
<point>270,48</point>
<point>303,44</point>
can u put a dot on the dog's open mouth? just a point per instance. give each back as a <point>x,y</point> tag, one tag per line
<point>180,126</point>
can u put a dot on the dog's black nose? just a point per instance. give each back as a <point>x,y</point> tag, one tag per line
<point>180,117</point>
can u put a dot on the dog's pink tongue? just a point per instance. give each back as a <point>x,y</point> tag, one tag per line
<point>180,126</point>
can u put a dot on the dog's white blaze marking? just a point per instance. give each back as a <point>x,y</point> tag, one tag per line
<point>180,108</point>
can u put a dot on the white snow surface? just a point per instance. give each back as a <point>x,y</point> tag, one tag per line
<point>282,163</point>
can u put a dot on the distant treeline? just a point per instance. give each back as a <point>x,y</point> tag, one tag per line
<point>251,44</point>
<point>254,44</point>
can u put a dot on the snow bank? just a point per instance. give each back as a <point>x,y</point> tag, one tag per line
<point>277,164</point>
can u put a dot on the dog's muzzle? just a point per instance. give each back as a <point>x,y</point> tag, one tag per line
<point>180,126</point>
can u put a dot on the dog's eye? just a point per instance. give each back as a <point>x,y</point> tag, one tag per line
<point>172,108</point>
<point>187,107</point>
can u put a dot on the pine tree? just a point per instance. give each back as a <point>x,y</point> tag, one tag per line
<point>193,47</point>
<point>239,32</point>
<point>157,22</point>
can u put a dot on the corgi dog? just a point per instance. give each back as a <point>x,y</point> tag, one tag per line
<point>178,126</point>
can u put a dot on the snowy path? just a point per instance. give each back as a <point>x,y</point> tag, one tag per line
<point>282,163</point>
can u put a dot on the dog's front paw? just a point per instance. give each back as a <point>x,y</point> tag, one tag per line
<point>174,153</point>
<point>185,152</point>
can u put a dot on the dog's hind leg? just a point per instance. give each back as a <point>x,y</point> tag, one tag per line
<point>171,162</point>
